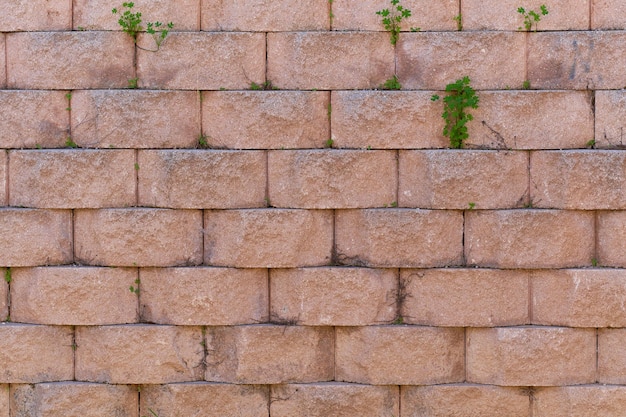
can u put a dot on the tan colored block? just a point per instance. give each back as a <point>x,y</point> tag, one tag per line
<point>69,60</point>
<point>465,297</point>
<point>205,399</point>
<point>529,238</point>
<point>526,120</point>
<point>97,15</point>
<point>4,297</point>
<point>35,237</point>
<point>460,399</point>
<point>28,15</point>
<point>5,400</point>
<point>611,238</point>
<point>204,296</point>
<point>265,119</point>
<point>385,120</point>
<point>31,354</point>
<point>74,399</point>
<point>577,60</point>
<point>139,354</point>
<point>72,178</point>
<point>31,118</point>
<point>425,14</point>
<point>135,118</point>
<point>399,355</point>
<point>3,178</point>
<point>610,106</point>
<point>581,401</point>
<point>607,14</point>
<point>265,15</point>
<point>268,354</point>
<point>268,238</point>
<point>332,178</point>
<point>451,179</point>
<point>138,237</point>
<point>611,356</point>
<point>329,60</point>
<point>492,60</point>
<point>202,179</point>
<point>73,296</point>
<point>333,296</point>
<point>579,298</point>
<point>531,356</point>
<point>578,180</point>
<point>3,64</point>
<point>399,238</point>
<point>334,399</point>
<point>203,61</point>
<point>503,15</point>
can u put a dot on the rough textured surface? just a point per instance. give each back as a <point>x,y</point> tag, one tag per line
<point>611,356</point>
<point>610,105</point>
<point>581,401</point>
<point>611,238</point>
<point>27,15</point>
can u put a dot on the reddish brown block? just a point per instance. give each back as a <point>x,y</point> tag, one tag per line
<point>525,120</point>
<point>35,237</point>
<point>31,118</point>
<point>69,60</point>
<point>332,178</point>
<point>425,14</point>
<point>3,178</point>
<point>73,399</point>
<point>135,119</point>
<point>580,401</point>
<point>578,180</point>
<point>4,296</point>
<point>5,400</point>
<point>503,15</point>
<point>268,238</point>
<point>529,238</point>
<point>531,356</point>
<point>212,400</point>
<point>334,399</point>
<point>611,356</point>
<point>265,119</point>
<point>385,120</point>
<point>458,399</point>
<point>268,354</point>
<point>465,297</point>
<point>399,355</point>
<point>138,237</point>
<point>97,15</point>
<point>28,15</point>
<point>399,238</point>
<point>607,14</point>
<point>430,61</point>
<point>611,238</point>
<point>333,296</point>
<point>329,61</point>
<point>577,60</point>
<point>265,15</point>
<point>203,61</point>
<point>73,295</point>
<point>31,354</point>
<point>204,296</point>
<point>72,178</point>
<point>579,298</point>
<point>450,179</point>
<point>610,106</point>
<point>3,73</point>
<point>202,179</point>
<point>139,354</point>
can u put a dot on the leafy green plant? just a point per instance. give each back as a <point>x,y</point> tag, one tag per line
<point>329,143</point>
<point>461,96</point>
<point>471,205</point>
<point>392,19</point>
<point>267,85</point>
<point>135,288</point>
<point>526,85</point>
<point>70,143</point>
<point>459,22</point>
<point>531,16</point>
<point>203,142</point>
<point>7,276</point>
<point>132,82</point>
<point>391,84</point>
<point>131,24</point>
<point>152,413</point>
<point>590,144</point>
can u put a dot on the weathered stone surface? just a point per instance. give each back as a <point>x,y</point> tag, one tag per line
<point>607,14</point>
<point>580,401</point>
<point>610,106</point>
<point>612,356</point>
<point>27,15</point>
<point>611,238</point>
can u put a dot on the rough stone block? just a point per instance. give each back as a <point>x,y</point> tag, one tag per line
<point>611,356</point>
<point>28,15</point>
<point>580,401</point>
<point>611,238</point>
<point>610,106</point>
<point>607,14</point>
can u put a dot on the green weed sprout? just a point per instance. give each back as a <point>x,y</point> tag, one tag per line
<point>461,96</point>
<point>531,16</point>
<point>392,19</point>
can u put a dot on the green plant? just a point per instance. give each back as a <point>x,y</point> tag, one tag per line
<point>594,262</point>
<point>131,24</point>
<point>526,85</point>
<point>591,144</point>
<point>392,19</point>
<point>132,82</point>
<point>461,96</point>
<point>331,15</point>
<point>203,143</point>
<point>391,84</point>
<point>459,21</point>
<point>135,288</point>
<point>471,205</point>
<point>153,414</point>
<point>267,85</point>
<point>7,275</point>
<point>329,143</point>
<point>531,16</point>
<point>70,143</point>
<point>136,166</point>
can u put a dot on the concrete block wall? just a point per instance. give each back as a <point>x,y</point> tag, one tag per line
<point>263,273</point>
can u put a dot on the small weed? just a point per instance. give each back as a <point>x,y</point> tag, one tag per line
<point>392,19</point>
<point>267,85</point>
<point>68,96</point>
<point>132,82</point>
<point>70,143</point>
<point>136,166</point>
<point>591,144</point>
<point>391,84</point>
<point>203,143</point>
<point>7,276</point>
<point>594,262</point>
<point>459,21</point>
<point>131,24</point>
<point>531,16</point>
<point>460,97</point>
<point>398,320</point>
<point>414,29</point>
<point>471,205</point>
<point>526,85</point>
<point>38,146</point>
<point>152,413</point>
<point>329,110</point>
<point>135,288</point>
<point>331,15</point>
<point>329,143</point>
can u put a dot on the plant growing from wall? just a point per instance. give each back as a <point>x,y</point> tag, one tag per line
<point>391,84</point>
<point>131,24</point>
<point>392,19</point>
<point>460,97</point>
<point>531,16</point>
